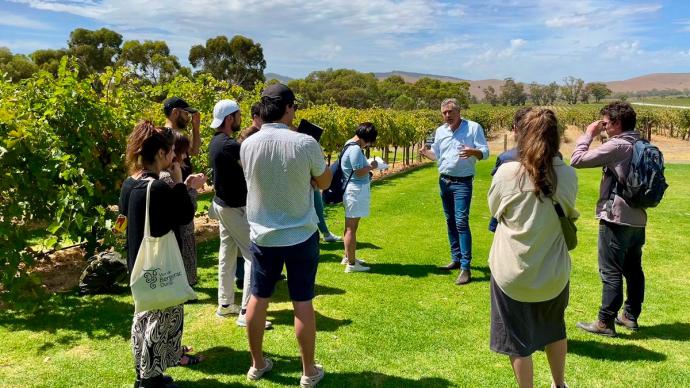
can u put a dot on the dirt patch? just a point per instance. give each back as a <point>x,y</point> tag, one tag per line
<point>675,150</point>
<point>60,271</point>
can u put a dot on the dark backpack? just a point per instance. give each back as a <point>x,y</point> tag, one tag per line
<point>334,194</point>
<point>645,184</point>
<point>103,273</point>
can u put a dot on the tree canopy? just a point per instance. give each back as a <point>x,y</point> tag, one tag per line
<point>239,60</point>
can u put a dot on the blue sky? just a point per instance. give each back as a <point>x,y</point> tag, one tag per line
<point>541,41</point>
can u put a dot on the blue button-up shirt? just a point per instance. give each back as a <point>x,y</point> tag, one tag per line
<point>447,145</point>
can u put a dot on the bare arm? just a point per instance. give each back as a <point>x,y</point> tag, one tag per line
<point>429,154</point>
<point>196,136</point>
<point>323,181</point>
<point>583,157</point>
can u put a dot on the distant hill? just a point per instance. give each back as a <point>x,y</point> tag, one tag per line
<point>413,77</point>
<point>281,78</point>
<point>476,87</point>
<point>659,81</point>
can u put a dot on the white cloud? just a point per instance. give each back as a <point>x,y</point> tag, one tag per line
<point>685,25</point>
<point>442,49</point>
<point>529,40</point>
<point>595,15</point>
<point>621,50</point>
<point>14,20</point>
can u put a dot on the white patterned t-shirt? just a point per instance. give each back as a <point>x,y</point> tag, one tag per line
<point>278,166</point>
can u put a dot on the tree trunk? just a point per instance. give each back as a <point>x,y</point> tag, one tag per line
<point>395,155</point>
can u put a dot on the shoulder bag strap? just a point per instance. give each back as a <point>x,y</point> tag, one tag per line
<point>147,223</point>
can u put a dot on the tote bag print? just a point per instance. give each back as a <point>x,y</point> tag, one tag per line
<point>158,278</point>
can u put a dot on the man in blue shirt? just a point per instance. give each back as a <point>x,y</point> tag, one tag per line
<point>458,144</point>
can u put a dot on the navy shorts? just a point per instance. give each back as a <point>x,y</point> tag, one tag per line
<point>301,261</point>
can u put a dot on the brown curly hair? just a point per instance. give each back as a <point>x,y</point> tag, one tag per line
<point>143,144</point>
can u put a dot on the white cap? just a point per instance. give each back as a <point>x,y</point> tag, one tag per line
<point>221,110</point>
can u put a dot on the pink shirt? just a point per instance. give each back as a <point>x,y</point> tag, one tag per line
<point>615,154</point>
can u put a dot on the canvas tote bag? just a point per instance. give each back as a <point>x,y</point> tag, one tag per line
<point>158,279</point>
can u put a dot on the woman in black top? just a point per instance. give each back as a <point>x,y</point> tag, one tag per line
<point>156,334</point>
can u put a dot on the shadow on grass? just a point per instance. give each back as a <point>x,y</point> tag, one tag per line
<point>98,317</point>
<point>208,295</point>
<point>323,323</point>
<point>207,253</point>
<point>677,331</point>
<point>223,360</point>
<point>376,379</point>
<point>424,270</point>
<point>208,383</point>
<point>613,352</point>
<point>397,269</point>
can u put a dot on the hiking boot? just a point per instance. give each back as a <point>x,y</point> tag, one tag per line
<point>311,381</point>
<point>356,267</point>
<point>628,321</point>
<point>598,327</point>
<point>255,373</point>
<point>464,277</point>
<point>332,238</point>
<point>224,311</point>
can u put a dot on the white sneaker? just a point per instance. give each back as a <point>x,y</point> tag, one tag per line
<point>357,267</point>
<point>242,322</point>
<point>332,238</point>
<point>232,309</point>
<point>311,381</point>
<point>255,374</point>
<point>345,261</point>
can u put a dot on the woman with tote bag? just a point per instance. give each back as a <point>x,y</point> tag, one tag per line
<point>529,260</point>
<point>146,202</point>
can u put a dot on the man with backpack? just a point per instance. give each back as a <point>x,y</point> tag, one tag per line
<point>627,163</point>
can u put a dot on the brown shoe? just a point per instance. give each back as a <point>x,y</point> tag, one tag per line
<point>627,321</point>
<point>464,277</point>
<point>451,266</point>
<point>598,327</point>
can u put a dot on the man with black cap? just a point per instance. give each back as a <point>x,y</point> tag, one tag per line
<point>281,166</point>
<point>228,207</point>
<point>178,114</point>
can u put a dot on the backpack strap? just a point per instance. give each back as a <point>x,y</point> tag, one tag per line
<point>617,187</point>
<point>340,162</point>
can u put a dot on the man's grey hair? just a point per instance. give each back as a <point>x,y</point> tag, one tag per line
<point>451,101</point>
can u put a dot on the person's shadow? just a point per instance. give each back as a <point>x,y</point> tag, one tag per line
<point>613,352</point>
<point>678,331</point>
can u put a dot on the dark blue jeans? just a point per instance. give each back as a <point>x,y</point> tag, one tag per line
<point>620,256</point>
<point>456,196</point>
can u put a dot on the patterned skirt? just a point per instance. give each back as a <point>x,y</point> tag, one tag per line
<point>188,250</point>
<point>156,340</point>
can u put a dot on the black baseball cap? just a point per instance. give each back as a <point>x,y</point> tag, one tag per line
<point>279,92</point>
<point>176,102</point>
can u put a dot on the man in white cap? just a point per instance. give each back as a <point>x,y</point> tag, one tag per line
<point>228,206</point>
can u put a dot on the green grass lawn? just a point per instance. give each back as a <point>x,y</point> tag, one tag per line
<point>403,324</point>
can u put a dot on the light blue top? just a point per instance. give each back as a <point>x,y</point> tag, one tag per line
<point>278,166</point>
<point>354,159</point>
<point>447,146</point>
